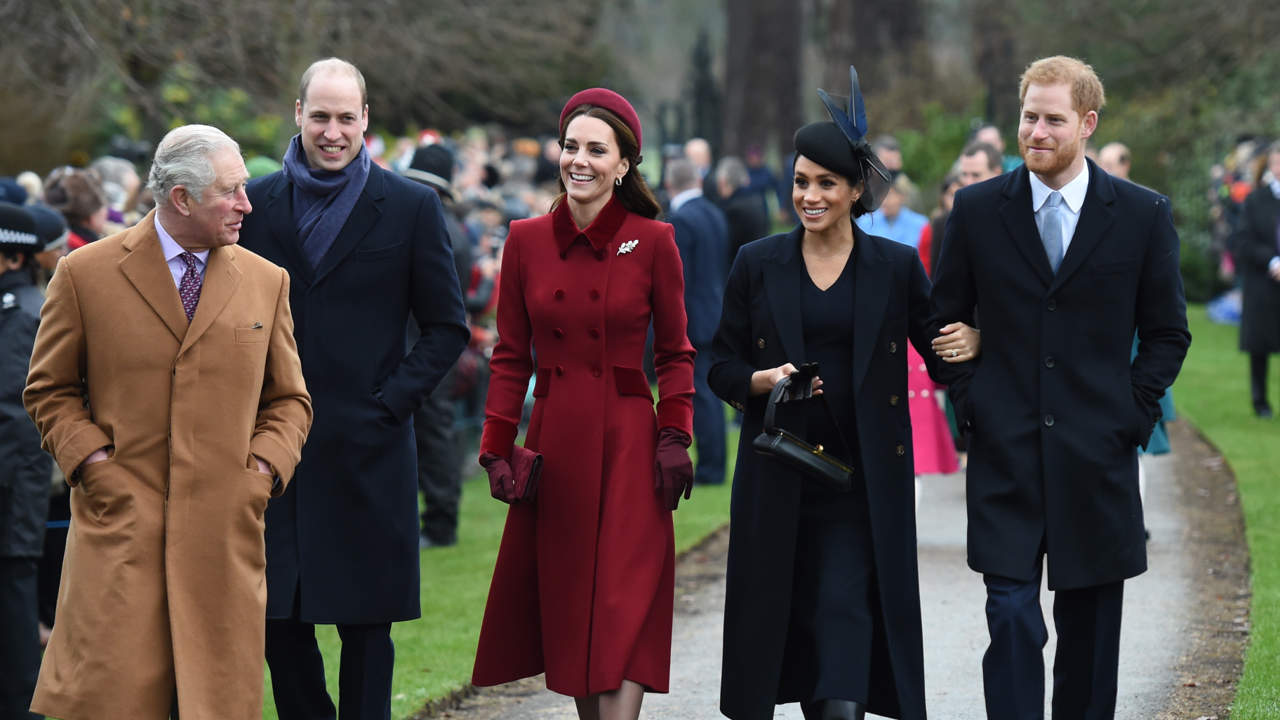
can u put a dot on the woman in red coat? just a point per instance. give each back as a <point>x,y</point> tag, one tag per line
<point>584,583</point>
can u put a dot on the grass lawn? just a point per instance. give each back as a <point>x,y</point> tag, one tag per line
<point>434,653</point>
<point>1213,393</point>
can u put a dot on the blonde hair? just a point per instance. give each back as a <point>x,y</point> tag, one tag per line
<point>1086,89</point>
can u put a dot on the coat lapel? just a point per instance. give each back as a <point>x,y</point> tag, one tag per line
<point>221,278</point>
<point>363,217</point>
<point>1096,217</point>
<point>782,288</point>
<point>147,271</point>
<point>1020,221</point>
<point>871,294</point>
<point>279,212</point>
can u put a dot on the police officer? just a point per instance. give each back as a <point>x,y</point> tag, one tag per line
<point>24,471</point>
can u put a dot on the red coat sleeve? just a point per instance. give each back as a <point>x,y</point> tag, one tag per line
<point>672,352</point>
<point>512,362</point>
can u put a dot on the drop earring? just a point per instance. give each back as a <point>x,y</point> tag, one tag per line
<point>618,181</point>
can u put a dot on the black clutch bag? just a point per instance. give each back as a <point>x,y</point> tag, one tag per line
<point>812,461</point>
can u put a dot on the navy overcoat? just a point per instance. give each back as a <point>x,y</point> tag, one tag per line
<point>345,533</point>
<point>760,328</point>
<point>1054,410</point>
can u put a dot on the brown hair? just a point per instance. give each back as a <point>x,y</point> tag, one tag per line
<point>77,194</point>
<point>1086,89</point>
<point>634,193</point>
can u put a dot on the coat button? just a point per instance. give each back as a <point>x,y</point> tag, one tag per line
<point>595,294</point>
<point>1048,421</point>
<point>594,333</point>
<point>595,371</point>
<point>900,450</point>
<point>760,343</point>
<point>893,347</point>
<point>893,400</point>
<point>1051,305</point>
<point>1049,362</point>
<point>559,294</point>
<point>559,370</point>
<point>558,333</point>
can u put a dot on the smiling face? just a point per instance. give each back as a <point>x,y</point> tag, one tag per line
<point>823,199</point>
<point>1052,134</point>
<point>332,120</point>
<point>590,162</point>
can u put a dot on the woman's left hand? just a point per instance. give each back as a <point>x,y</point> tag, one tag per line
<point>957,343</point>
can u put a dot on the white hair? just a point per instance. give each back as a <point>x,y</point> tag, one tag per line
<point>182,158</point>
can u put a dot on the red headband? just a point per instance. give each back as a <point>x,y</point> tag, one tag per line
<point>609,100</point>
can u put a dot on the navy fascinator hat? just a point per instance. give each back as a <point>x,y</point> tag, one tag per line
<point>841,144</point>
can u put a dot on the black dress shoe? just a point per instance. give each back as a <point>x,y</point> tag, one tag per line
<point>1263,412</point>
<point>833,710</point>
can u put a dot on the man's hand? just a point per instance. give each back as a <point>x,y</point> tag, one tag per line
<point>96,456</point>
<point>1273,268</point>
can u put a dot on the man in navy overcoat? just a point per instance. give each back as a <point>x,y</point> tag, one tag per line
<point>366,250</point>
<point>1062,263</point>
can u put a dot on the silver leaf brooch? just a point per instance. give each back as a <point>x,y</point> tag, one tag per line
<point>627,246</point>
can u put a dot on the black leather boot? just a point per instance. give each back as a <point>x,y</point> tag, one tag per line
<point>833,710</point>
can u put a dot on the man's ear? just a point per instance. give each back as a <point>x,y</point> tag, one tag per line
<point>180,199</point>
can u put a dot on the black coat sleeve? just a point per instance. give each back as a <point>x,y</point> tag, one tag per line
<point>436,303</point>
<point>954,298</point>
<point>730,374</point>
<point>1163,337</point>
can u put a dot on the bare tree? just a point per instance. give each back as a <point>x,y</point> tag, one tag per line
<point>763,85</point>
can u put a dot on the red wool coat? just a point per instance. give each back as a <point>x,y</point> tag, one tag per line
<point>584,582</point>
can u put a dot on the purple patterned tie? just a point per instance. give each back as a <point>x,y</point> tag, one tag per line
<point>189,286</point>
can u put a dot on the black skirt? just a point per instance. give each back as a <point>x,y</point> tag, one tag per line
<point>828,648</point>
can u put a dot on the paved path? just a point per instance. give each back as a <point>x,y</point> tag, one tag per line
<point>955,635</point>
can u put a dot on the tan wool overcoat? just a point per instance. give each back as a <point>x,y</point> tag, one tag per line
<point>163,587</point>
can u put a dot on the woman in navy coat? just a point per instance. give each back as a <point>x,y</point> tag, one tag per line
<point>822,604</point>
<point>583,589</point>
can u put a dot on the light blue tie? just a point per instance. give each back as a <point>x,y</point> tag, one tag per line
<point>1051,230</point>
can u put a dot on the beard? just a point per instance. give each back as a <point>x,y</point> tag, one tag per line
<point>1049,165</point>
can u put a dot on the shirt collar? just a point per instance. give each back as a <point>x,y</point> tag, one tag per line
<point>1073,193</point>
<point>171,248</point>
<point>598,234</point>
<point>685,196</point>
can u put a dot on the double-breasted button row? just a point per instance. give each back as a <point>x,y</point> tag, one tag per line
<point>1049,362</point>
<point>893,400</point>
<point>558,333</point>
<point>760,343</point>
<point>900,450</point>
<point>1051,305</point>
<point>893,347</point>
<point>595,294</point>
<point>1048,421</point>
<point>595,371</point>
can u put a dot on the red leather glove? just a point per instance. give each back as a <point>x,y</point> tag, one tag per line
<point>501,484</point>
<point>672,469</point>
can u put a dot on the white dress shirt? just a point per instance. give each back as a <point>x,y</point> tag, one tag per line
<point>1073,194</point>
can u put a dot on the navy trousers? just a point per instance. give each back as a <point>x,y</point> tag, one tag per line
<point>1087,659</point>
<point>297,672</point>
<point>708,424</point>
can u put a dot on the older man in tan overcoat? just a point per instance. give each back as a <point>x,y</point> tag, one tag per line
<point>166,384</point>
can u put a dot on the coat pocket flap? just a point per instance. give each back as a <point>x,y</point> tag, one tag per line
<point>631,381</point>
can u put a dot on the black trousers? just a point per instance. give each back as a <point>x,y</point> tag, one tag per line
<point>19,637</point>
<point>1258,381</point>
<point>1085,666</point>
<point>439,463</point>
<point>297,672</point>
